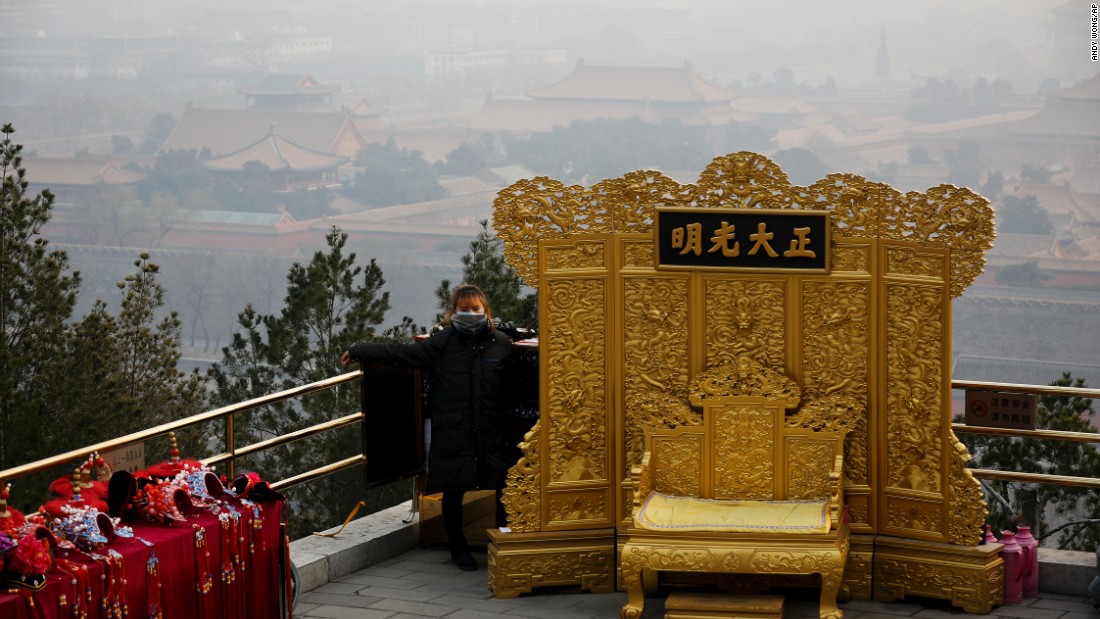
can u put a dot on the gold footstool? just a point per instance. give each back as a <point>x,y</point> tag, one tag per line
<point>684,605</point>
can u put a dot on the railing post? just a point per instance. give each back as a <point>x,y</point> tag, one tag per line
<point>230,448</point>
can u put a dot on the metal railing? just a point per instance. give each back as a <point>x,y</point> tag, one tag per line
<point>232,452</point>
<point>1020,476</point>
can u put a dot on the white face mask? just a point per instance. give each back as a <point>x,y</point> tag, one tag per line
<point>468,323</point>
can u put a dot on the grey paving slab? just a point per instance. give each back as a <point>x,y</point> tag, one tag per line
<point>384,572</point>
<point>488,605</point>
<point>1066,605</point>
<point>370,580</point>
<point>479,590</point>
<point>946,612</point>
<point>343,612</point>
<point>415,608</point>
<point>1092,615</point>
<point>884,608</point>
<point>333,599</point>
<point>470,613</point>
<point>1027,612</point>
<point>411,595</point>
<point>540,612</point>
<point>339,588</point>
<point>301,608</point>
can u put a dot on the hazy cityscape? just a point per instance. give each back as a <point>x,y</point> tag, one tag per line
<point>398,122</point>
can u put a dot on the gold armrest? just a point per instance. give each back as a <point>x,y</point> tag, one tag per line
<point>642,480</point>
<point>836,491</point>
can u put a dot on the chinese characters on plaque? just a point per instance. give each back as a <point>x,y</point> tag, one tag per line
<point>742,239</point>
<point>1000,410</point>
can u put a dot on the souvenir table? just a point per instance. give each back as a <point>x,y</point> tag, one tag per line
<point>209,567</point>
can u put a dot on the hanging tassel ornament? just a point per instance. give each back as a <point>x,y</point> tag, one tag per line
<point>153,609</point>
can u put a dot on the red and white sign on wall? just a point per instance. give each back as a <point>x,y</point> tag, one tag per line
<point>1000,410</point>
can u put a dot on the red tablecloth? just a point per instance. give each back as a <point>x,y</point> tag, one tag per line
<point>241,571</point>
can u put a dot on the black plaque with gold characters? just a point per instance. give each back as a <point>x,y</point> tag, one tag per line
<point>756,239</point>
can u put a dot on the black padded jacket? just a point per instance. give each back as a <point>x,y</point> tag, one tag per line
<point>468,396</point>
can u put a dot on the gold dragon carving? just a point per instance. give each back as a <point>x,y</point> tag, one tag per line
<point>682,454</point>
<point>808,465</point>
<point>655,349</point>
<point>745,377</point>
<point>663,558</point>
<point>915,329</point>
<point>573,506</point>
<point>835,364</point>
<point>975,590</point>
<point>839,411</point>
<point>522,490</point>
<point>575,417</point>
<point>967,501</point>
<point>902,514</point>
<point>594,568</point>
<point>744,441</point>
<point>912,262</point>
<point>745,318</point>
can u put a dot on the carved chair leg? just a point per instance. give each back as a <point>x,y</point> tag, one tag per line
<point>635,594</point>
<point>831,582</point>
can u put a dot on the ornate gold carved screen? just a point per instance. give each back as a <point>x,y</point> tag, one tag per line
<point>621,340</point>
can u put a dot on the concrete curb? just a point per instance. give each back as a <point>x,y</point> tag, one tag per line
<point>364,542</point>
<point>1066,571</point>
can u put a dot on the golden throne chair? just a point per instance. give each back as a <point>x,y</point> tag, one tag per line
<point>743,493</point>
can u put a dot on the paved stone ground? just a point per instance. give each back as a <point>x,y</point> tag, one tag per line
<point>423,583</point>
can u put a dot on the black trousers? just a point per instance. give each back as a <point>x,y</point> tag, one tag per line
<point>452,518</point>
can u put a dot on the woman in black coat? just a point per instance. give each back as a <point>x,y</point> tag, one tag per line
<point>467,362</point>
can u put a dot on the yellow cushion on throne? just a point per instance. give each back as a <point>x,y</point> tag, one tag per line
<point>663,512</point>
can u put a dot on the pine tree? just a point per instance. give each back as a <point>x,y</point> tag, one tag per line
<point>331,303</point>
<point>62,385</point>
<point>37,295</point>
<point>1040,505</point>
<point>484,266</point>
<point>127,364</point>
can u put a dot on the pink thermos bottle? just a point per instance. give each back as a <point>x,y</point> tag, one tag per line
<point>1013,558</point>
<point>1030,572</point>
<point>990,538</point>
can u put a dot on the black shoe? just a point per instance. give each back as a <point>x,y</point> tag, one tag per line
<point>464,561</point>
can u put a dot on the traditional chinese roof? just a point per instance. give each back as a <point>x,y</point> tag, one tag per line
<point>1020,371</point>
<point>506,175</point>
<point>73,172</point>
<point>655,84</point>
<point>772,105</point>
<point>237,218</point>
<point>432,144</point>
<point>363,109</point>
<point>1086,178</point>
<point>286,84</point>
<point>276,153</point>
<point>1062,199</point>
<point>1072,112</point>
<point>229,131</point>
<point>527,116</point>
<point>1013,245</point>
